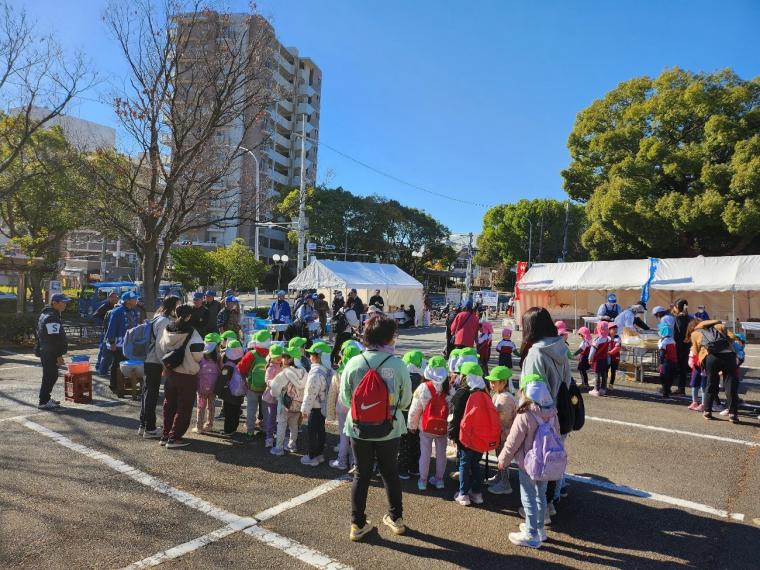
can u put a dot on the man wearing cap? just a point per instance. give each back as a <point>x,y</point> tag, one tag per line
<point>610,309</point>
<point>377,300</point>
<point>229,317</point>
<point>103,363</point>
<point>123,318</point>
<point>51,346</point>
<point>108,304</point>
<point>199,314</point>
<point>279,312</point>
<point>213,306</point>
<point>338,302</point>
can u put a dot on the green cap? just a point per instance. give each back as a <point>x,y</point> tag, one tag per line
<point>499,374</point>
<point>471,369</point>
<point>297,342</point>
<point>229,335</point>
<point>413,357</point>
<point>294,352</point>
<point>468,352</point>
<point>234,344</point>
<point>346,344</point>
<point>528,378</point>
<point>455,352</point>
<point>212,337</point>
<point>276,350</point>
<point>437,362</point>
<point>319,347</point>
<point>261,336</point>
<point>351,351</point>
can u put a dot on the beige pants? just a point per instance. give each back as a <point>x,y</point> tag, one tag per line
<point>285,420</point>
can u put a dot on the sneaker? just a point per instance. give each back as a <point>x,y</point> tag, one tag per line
<point>306,460</point>
<point>733,418</point>
<point>414,472</point>
<point>140,430</point>
<point>564,493</point>
<point>162,441</point>
<point>352,471</point>
<point>49,405</point>
<point>397,527</point>
<point>551,510</point>
<point>700,408</point>
<point>438,483</point>
<point>708,416</point>
<point>500,488</point>
<point>320,459</point>
<point>56,402</point>
<point>269,442</point>
<point>523,539</point>
<point>463,500</point>
<point>404,475</point>
<point>455,475</point>
<point>547,518</point>
<point>593,392</point>
<point>476,498</point>
<point>602,392</point>
<point>224,434</point>
<point>277,451</point>
<point>422,485</point>
<point>724,412</point>
<point>291,447</point>
<point>357,533</point>
<point>336,464</point>
<point>173,443</point>
<point>493,480</point>
<point>541,533</point>
<point>717,408</point>
<point>151,434</point>
<point>693,406</point>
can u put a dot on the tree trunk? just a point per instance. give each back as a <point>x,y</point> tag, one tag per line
<point>149,271</point>
<point>35,284</point>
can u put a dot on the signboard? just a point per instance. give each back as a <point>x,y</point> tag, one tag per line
<point>489,298</point>
<point>311,246</point>
<point>522,268</point>
<point>453,295</point>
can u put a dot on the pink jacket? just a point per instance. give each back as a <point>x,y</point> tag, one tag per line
<point>506,405</point>
<point>272,370</point>
<point>523,432</point>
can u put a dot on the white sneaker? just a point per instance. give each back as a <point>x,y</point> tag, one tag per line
<point>476,498</point>
<point>352,471</point>
<point>493,480</point>
<point>500,488</point>
<point>49,405</point>
<point>320,459</point>
<point>151,434</point>
<point>335,464</point>
<point>523,539</point>
<point>463,500</point>
<point>277,451</point>
<point>593,392</point>
<point>551,510</point>
<point>541,533</point>
<point>306,460</point>
<point>140,430</point>
<point>724,412</point>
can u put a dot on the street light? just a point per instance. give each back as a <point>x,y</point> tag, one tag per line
<point>256,227</point>
<point>279,261</point>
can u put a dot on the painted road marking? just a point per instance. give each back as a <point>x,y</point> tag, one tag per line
<point>300,499</point>
<point>295,549</point>
<point>634,492</point>
<point>676,431</point>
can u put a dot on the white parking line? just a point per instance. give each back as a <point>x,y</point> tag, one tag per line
<point>676,431</point>
<point>299,500</point>
<point>295,549</point>
<point>682,503</point>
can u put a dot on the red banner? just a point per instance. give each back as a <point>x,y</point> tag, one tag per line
<point>522,267</point>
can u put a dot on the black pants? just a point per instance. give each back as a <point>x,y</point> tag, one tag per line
<point>151,386</point>
<point>409,452</point>
<point>316,433</point>
<point>682,350</point>
<point>231,416</point>
<point>118,357</point>
<point>724,362</point>
<point>667,376</point>
<point>339,340</point>
<point>49,376</point>
<point>365,454</point>
<point>613,371</point>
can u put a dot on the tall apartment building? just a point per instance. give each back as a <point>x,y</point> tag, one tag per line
<point>275,141</point>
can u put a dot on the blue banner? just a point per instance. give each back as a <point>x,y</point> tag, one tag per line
<point>653,263</point>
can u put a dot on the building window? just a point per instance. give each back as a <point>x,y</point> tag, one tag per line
<point>311,76</point>
<point>277,244</point>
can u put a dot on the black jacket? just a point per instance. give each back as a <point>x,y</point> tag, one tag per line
<point>199,318</point>
<point>378,301</point>
<point>458,406</point>
<point>50,334</point>
<point>214,307</point>
<point>679,331</point>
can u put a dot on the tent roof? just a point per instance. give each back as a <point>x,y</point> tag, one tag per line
<point>326,274</point>
<point>739,273</point>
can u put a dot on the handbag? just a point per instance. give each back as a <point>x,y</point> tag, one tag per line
<point>174,358</point>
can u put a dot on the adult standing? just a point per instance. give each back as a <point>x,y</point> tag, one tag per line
<point>345,322</point>
<point>356,303</point>
<point>182,381</point>
<point>338,302</point>
<point>154,368</point>
<point>123,318</point>
<point>663,315</point>
<point>712,343</point>
<point>427,307</point>
<point>610,309</point>
<point>110,302</point>
<point>631,319</point>
<point>51,346</point>
<point>379,338</point>
<point>452,314</point>
<point>103,364</point>
<point>213,307</point>
<point>229,317</point>
<point>465,327</point>
<point>279,312</point>
<point>377,300</point>
<point>683,344</point>
<point>323,310</point>
<point>199,316</point>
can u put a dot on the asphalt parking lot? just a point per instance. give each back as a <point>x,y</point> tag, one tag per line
<point>653,486</point>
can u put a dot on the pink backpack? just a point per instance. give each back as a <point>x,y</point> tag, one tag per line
<point>207,376</point>
<point>546,460</point>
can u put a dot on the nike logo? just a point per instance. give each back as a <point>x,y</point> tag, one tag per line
<point>366,407</point>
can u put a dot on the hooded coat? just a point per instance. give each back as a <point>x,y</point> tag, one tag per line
<point>548,358</point>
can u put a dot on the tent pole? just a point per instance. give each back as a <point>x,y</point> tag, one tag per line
<point>575,308</point>
<point>733,309</point>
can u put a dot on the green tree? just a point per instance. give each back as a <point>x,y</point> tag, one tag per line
<point>669,166</point>
<point>193,267</point>
<point>236,266</point>
<point>47,200</point>
<point>504,239</point>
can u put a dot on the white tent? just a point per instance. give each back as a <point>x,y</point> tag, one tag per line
<point>396,286</point>
<point>727,286</point>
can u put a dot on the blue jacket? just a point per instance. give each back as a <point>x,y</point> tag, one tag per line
<point>121,320</point>
<point>281,314</point>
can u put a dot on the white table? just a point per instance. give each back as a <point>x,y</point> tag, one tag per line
<point>591,321</point>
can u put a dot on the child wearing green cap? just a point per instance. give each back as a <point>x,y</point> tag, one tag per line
<point>314,405</point>
<point>226,387</point>
<point>409,446</point>
<point>506,405</point>
<point>252,367</point>
<point>336,409</point>
<point>287,388</point>
<point>273,368</point>
<point>300,342</point>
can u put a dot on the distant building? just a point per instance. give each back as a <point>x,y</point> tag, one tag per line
<point>83,135</point>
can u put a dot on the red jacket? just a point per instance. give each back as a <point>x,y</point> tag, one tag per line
<point>465,328</point>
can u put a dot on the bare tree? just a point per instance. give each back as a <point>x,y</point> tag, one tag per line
<point>37,82</point>
<point>191,77</point>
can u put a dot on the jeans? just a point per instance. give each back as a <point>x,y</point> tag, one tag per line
<point>253,402</point>
<point>469,471</point>
<point>270,420</point>
<point>426,448</point>
<point>316,431</point>
<point>179,397</point>
<point>117,356</point>
<point>49,376</point>
<point>105,359</point>
<point>151,387</point>
<point>386,453</point>
<point>533,496</point>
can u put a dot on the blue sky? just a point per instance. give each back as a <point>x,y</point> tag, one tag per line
<point>471,99</point>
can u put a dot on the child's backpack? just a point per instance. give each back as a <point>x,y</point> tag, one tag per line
<point>207,376</point>
<point>370,405</point>
<point>416,379</point>
<point>291,398</point>
<point>480,429</point>
<point>257,374</point>
<point>714,341</point>
<point>434,417</point>
<point>546,460</point>
<point>138,341</point>
<point>579,408</point>
<point>236,384</point>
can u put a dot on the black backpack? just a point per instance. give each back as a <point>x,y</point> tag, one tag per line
<point>565,411</point>
<point>714,341</point>
<point>576,403</point>
<point>340,322</point>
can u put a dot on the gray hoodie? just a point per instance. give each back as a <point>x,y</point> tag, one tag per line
<point>548,357</point>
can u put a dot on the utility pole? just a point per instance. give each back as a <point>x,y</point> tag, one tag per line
<point>302,202</point>
<point>530,239</point>
<point>103,257</point>
<point>541,238</point>
<point>468,279</point>
<point>567,224</point>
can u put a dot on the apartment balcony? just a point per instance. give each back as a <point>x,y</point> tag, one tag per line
<point>285,104</point>
<point>305,109</point>
<point>280,140</point>
<point>306,89</point>
<point>289,67</point>
<point>282,82</point>
<point>282,122</point>
<point>278,158</point>
<point>279,178</point>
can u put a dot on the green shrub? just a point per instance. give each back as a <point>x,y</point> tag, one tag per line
<point>17,329</point>
<point>261,312</point>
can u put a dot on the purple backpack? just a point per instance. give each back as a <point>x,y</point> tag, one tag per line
<point>546,460</point>
<point>207,376</point>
